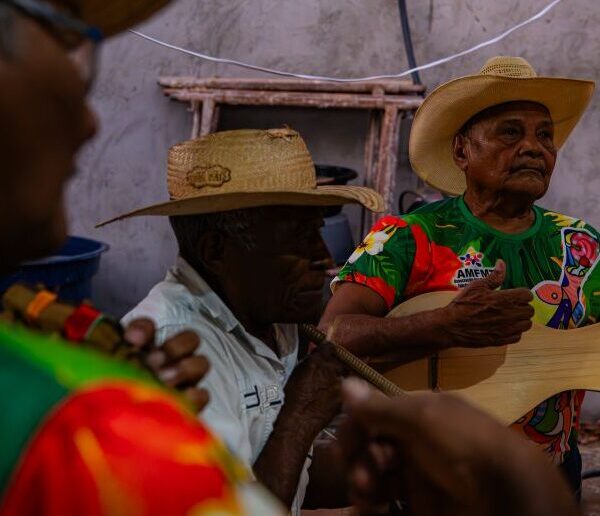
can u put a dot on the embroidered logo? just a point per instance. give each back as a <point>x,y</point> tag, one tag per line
<point>472,268</point>
<point>472,258</point>
<point>262,397</point>
<point>211,175</point>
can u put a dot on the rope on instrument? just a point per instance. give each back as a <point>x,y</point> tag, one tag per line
<point>353,362</point>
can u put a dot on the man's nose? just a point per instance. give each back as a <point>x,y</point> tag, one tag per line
<point>531,145</point>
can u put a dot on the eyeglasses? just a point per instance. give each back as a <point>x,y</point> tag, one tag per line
<point>80,40</point>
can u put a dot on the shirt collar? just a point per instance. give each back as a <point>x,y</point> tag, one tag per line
<point>207,300</point>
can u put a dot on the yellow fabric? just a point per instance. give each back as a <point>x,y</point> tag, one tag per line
<point>38,304</point>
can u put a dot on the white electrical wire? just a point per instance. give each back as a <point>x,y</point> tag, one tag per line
<point>432,64</point>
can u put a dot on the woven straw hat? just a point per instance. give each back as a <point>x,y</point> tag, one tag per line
<point>502,79</point>
<point>246,168</point>
<point>113,16</point>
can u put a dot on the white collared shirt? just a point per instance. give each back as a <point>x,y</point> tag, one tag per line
<point>246,380</point>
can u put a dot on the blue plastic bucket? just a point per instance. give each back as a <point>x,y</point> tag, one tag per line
<point>69,272</point>
<point>338,237</point>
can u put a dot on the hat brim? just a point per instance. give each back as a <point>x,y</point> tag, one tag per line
<point>448,107</point>
<point>114,16</point>
<point>320,196</point>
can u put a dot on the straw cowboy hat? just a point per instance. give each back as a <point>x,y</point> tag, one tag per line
<point>112,16</point>
<point>246,168</point>
<point>502,79</point>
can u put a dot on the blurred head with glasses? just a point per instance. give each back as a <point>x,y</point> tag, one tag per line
<point>78,39</point>
<point>48,62</point>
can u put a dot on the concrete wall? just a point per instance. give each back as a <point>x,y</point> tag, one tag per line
<point>125,166</point>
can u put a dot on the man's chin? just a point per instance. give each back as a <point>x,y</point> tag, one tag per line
<point>306,308</point>
<point>528,188</point>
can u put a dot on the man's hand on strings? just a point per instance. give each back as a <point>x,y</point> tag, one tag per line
<point>483,316</point>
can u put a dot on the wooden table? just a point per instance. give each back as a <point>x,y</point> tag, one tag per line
<point>387,102</point>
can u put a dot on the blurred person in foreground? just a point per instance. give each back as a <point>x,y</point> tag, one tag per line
<point>442,457</point>
<point>81,433</point>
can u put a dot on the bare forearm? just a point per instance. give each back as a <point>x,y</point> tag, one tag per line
<point>383,341</point>
<point>280,464</point>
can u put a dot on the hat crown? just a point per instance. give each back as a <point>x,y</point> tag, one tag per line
<point>507,66</point>
<point>240,161</point>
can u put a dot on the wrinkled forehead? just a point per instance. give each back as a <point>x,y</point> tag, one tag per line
<point>517,109</point>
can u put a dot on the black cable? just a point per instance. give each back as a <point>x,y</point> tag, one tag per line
<point>410,53</point>
<point>592,473</point>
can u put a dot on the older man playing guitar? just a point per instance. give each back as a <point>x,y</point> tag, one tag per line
<point>491,140</point>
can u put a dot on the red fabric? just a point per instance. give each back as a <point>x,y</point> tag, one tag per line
<point>123,450</point>
<point>79,323</point>
<point>386,291</point>
<point>387,221</point>
<point>433,268</point>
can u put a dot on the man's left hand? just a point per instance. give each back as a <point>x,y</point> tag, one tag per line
<point>174,363</point>
<point>313,392</point>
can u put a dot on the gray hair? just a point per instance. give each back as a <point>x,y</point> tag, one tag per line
<point>236,225</point>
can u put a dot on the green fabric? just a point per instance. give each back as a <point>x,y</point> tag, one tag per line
<point>443,246</point>
<point>72,366</point>
<point>27,395</point>
<point>36,373</point>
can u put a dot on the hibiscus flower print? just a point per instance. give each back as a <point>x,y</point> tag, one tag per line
<point>373,244</point>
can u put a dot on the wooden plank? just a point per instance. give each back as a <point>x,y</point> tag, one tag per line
<point>214,126</point>
<point>208,112</point>
<point>297,99</point>
<point>384,181</point>
<point>195,108</point>
<point>394,86</point>
<point>371,152</point>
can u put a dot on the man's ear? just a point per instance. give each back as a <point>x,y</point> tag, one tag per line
<point>211,251</point>
<point>459,151</point>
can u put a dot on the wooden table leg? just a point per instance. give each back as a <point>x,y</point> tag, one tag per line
<point>195,107</point>
<point>371,151</point>
<point>208,112</point>
<point>385,178</point>
<point>214,126</point>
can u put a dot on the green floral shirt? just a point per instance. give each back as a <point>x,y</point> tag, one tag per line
<point>443,246</point>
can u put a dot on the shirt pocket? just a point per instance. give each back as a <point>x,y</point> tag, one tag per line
<point>261,404</point>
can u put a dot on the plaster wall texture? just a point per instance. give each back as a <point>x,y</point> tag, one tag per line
<point>125,165</point>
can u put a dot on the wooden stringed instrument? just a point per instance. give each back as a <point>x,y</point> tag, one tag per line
<point>505,381</point>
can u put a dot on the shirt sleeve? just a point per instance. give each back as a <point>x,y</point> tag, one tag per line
<point>383,260</point>
<point>124,449</point>
<point>223,414</point>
